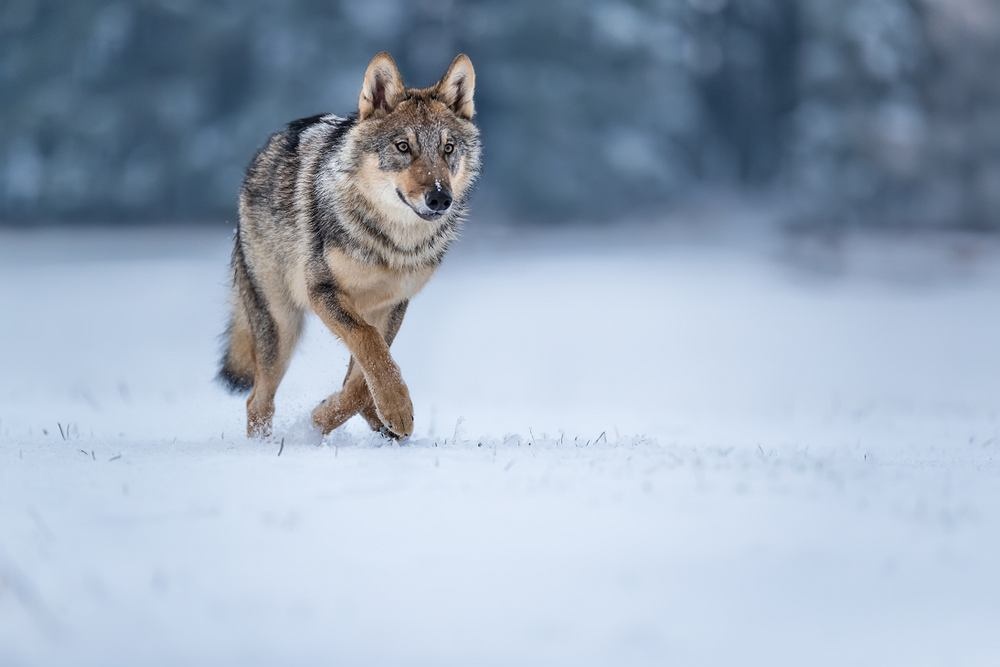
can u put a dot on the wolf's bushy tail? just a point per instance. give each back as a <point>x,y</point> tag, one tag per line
<point>236,369</point>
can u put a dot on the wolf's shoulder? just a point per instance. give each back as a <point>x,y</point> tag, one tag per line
<point>335,128</point>
<point>284,144</point>
<point>300,125</point>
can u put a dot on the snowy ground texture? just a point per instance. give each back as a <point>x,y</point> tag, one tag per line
<point>662,451</point>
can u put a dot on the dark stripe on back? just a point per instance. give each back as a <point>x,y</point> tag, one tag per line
<point>295,129</point>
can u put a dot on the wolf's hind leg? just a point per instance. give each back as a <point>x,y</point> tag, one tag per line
<point>271,363</point>
<point>276,324</point>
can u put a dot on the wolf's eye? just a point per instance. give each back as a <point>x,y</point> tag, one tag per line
<point>449,148</point>
<point>403,146</point>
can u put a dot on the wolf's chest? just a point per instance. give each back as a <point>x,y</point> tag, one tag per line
<point>373,288</point>
<point>377,292</point>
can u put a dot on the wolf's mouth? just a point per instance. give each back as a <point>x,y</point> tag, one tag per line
<point>429,215</point>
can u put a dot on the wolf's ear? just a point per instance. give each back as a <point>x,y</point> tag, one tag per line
<point>383,87</point>
<point>457,87</point>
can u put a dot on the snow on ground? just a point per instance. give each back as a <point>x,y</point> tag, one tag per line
<point>645,452</point>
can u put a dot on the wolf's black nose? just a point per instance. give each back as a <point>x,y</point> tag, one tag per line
<point>437,200</point>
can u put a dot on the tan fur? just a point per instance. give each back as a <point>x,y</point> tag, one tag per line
<point>371,290</point>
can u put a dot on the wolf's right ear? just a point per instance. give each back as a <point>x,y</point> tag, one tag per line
<point>383,87</point>
<point>457,87</point>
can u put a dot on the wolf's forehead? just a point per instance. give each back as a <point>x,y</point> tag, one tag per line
<point>423,116</point>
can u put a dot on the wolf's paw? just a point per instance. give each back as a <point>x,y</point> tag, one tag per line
<point>395,410</point>
<point>332,412</point>
<point>259,428</point>
<point>259,416</point>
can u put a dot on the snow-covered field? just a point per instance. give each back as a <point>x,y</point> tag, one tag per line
<point>650,452</point>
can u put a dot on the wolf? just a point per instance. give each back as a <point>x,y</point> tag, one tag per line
<point>349,217</point>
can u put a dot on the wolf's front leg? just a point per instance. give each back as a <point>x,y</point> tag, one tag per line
<point>354,396</point>
<point>370,350</point>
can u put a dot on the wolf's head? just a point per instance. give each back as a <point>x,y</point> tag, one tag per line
<point>416,150</point>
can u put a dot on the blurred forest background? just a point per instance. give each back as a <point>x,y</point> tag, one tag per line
<point>875,113</point>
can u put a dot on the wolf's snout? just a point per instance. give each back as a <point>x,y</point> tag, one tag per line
<point>437,200</point>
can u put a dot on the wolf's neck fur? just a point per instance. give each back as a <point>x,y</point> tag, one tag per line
<point>396,238</point>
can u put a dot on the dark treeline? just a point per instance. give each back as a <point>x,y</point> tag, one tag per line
<point>864,112</point>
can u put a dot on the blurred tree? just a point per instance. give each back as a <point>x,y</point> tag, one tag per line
<point>868,112</point>
<point>891,128</point>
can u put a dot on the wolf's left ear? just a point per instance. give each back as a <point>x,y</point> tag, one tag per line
<point>457,87</point>
<point>383,87</point>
